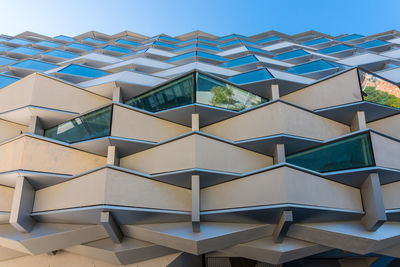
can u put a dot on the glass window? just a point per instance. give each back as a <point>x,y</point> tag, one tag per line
<point>26,51</point>
<point>4,48</point>
<point>258,50</point>
<point>334,49</point>
<point>19,41</point>
<point>64,38</point>
<point>34,65</point>
<point>220,94</point>
<point>168,38</point>
<point>350,37</point>
<point>291,54</point>
<point>116,49</point>
<point>92,125</point>
<point>6,80</point>
<point>372,43</point>
<point>316,41</point>
<point>185,47</point>
<point>311,67</point>
<point>268,39</point>
<point>379,91</point>
<point>349,153</point>
<point>6,60</point>
<point>210,56</point>
<point>239,61</point>
<point>79,70</point>
<point>251,76</point>
<point>164,44</point>
<point>127,42</point>
<point>183,56</point>
<point>61,54</point>
<point>48,44</point>
<point>80,46</point>
<point>208,47</point>
<point>177,93</point>
<point>236,42</point>
<point>90,39</point>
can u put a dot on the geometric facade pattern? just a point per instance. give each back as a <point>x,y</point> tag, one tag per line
<point>200,150</point>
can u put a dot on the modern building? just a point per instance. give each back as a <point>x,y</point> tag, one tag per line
<point>200,150</point>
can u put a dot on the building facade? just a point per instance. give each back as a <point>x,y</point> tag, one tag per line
<point>200,150</point>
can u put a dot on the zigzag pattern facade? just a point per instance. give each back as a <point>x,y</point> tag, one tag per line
<point>200,150</point>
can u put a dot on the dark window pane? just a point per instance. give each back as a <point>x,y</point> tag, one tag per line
<point>379,91</point>
<point>349,153</point>
<point>92,125</point>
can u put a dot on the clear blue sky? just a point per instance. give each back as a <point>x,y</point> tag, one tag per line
<point>220,17</point>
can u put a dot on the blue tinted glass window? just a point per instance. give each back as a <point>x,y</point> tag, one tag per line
<point>80,46</point>
<point>239,61</point>
<point>168,38</point>
<point>4,48</point>
<point>258,50</point>
<point>26,51</point>
<point>350,37</point>
<point>90,39</point>
<point>350,153</point>
<point>64,38</point>
<point>19,41</point>
<point>34,65</point>
<point>311,67</point>
<point>210,56</point>
<point>48,44</point>
<point>6,60</point>
<point>235,42</point>
<point>372,43</point>
<point>316,41</point>
<point>334,49</point>
<point>208,47</point>
<point>164,44</point>
<point>251,76</point>
<point>231,36</point>
<point>123,41</point>
<point>116,49</point>
<point>6,80</point>
<point>291,54</point>
<point>200,40</point>
<point>183,56</point>
<point>61,54</point>
<point>185,47</point>
<point>92,125</point>
<point>269,39</point>
<point>209,41</point>
<point>83,71</point>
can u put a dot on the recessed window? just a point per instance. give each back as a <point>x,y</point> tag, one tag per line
<point>90,39</point>
<point>61,54</point>
<point>291,54</point>
<point>127,42</point>
<point>251,77</point>
<point>334,49</point>
<point>6,80</point>
<point>48,44</point>
<point>239,61</point>
<point>373,43</point>
<point>313,66</point>
<point>34,65</point>
<point>116,49</point>
<point>64,38</point>
<point>6,60</point>
<point>268,39</point>
<point>80,46</point>
<point>26,51</point>
<point>19,41</point>
<point>350,37</point>
<point>79,70</point>
<point>316,41</point>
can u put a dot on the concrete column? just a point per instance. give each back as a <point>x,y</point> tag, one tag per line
<point>375,214</point>
<point>282,226</point>
<point>196,203</point>
<point>273,92</point>
<point>358,122</point>
<point>195,122</point>
<point>117,95</point>
<point>279,154</point>
<point>112,156</point>
<point>35,126</point>
<point>111,227</point>
<point>22,205</point>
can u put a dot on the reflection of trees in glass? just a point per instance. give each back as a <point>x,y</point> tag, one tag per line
<point>381,97</point>
<point>224,96</point>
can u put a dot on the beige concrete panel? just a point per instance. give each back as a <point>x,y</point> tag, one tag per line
<point>277,186</point>
<point>17,94</point>
<point>391,196</point>
<point>386,151</point>
<point>9,129</point>
<point>277,118</point>
<point>6,197</point>
<point>195,151</point>
<point>52,93</point>
<point>338,90</point>
<point>67,259</point>
<point>45,156</point>
<point>389,126</point>
<point>83,191</point>
<point>11,154</point>
<point>131,190</point>
<point>129,123</point>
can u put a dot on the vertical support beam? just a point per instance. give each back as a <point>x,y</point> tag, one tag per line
<point>279,154</point>
<point>117,95</point>
<point>273,92</point>
<point>196,203</point>
<point>111,227</point>
<point>375,214</point>
<point>22,205</point>
<point>282,226</point>
<point>112,156</point>
<point>358,122</point>
<point>35,126</point>
<point>195,122</point>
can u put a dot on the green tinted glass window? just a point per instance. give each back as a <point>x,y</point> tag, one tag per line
<point>350,153</point>
<point>92,125</point>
